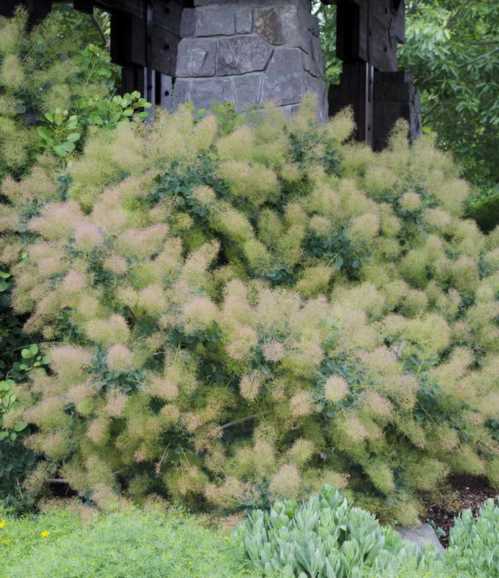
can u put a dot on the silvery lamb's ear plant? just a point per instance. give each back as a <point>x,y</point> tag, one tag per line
<point>474,543</point>
<point>325,537</point>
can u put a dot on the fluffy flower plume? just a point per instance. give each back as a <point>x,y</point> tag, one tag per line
<point>273,351</point>
<point>119,358</point>
<point>335,389</point>
<point>250,386</point>
<point>87,235</point>
<point>69,361</point>
<point>199,314</point>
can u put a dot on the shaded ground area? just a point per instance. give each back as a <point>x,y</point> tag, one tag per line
<point>465,493</point>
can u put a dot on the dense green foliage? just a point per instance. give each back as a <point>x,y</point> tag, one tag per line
<point>483,206</point>
<point>453,52</point>
<point>326,14</point>
<point>129,544</point>
<point>248,313</point>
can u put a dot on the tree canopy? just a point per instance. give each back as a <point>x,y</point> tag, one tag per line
<point>452,50</point>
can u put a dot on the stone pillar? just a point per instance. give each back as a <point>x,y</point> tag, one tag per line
<point>249,52</point>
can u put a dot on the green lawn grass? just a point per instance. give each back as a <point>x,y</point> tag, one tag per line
<point>130,544</point>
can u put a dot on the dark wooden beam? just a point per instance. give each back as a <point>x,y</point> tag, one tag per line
<point>8,7</point>
<point>355,91</point>
<point>395,97</point>
<point>368,35</point>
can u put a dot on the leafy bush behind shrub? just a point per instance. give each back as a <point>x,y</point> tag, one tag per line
<point>254,312</point>
<point>18,356</point>
<point>55,83</point>
<point>484,208</point>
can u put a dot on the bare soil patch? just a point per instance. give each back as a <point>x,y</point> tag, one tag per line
<point>465,493</point>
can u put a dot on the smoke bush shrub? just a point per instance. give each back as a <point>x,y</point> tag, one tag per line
<point>251,314</point>
<point>56,82</point>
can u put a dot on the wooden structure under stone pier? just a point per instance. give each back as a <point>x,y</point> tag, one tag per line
<point>251,51</point>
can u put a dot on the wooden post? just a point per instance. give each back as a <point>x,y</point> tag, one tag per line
<point>368,34</point>
<point>356,91</point>
<point>145,44</point>
<point>395,97</point>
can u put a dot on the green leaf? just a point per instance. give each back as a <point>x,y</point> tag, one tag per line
<point>20,426</point>
<point>30,352</point>
<point>65,149</point>
<point>74,137</point>
<point>6,385</point>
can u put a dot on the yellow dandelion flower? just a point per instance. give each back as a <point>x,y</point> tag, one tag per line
<point>3,523</point>
<point>44,534</point>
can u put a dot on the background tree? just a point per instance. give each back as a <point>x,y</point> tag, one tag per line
<point>452,50</point>
<point>327,18</point>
